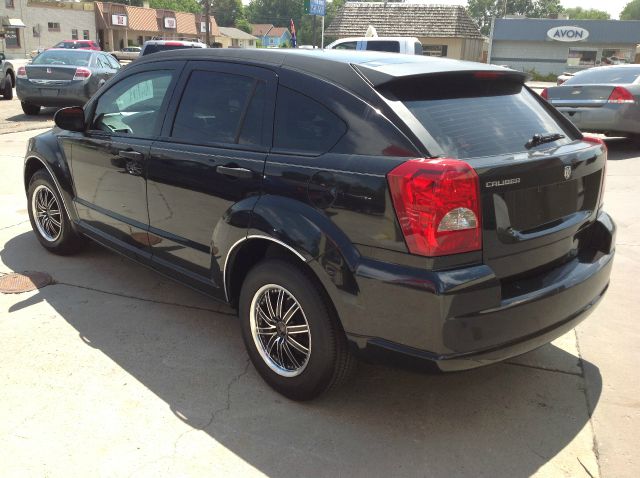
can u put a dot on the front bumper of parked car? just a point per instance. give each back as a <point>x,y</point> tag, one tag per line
<point>447,327</point>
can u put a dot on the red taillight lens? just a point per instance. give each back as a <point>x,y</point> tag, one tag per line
<point>22,73</point>
<point>621,95</point>
<point>437,202</point>
<point>545,94</point>
<point>82,74</point>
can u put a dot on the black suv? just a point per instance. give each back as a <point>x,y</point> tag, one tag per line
<point>418,210</point>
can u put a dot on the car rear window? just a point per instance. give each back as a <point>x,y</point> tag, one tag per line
<point>61,57</point>
<point>606,75</point>
<point>384,45</point>
<point>471,117</point>
<point>155,48</point>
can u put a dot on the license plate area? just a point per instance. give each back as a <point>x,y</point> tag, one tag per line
<point>49,92</point>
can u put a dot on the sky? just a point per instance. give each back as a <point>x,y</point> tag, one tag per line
<point>614,7</point>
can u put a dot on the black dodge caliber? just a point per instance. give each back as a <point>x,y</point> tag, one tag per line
<point>417,210</point>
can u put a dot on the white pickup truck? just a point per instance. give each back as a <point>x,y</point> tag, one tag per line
<point>406,45</point>
<point>8,69</point>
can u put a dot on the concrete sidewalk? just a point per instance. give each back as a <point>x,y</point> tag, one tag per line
<point>117,371</point>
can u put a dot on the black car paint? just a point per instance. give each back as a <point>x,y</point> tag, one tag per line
<point>334,212</point>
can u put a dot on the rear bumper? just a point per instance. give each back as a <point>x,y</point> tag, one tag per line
<point>455,327</point>
<point>73,94</point>
<point>609,118</point>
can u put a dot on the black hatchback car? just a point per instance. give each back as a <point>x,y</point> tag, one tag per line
<point>409,209</point>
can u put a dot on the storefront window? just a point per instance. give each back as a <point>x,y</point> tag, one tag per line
<point>85,34</point>
<point>578,57</point>
<point>434,50</point>
<point>616,57</point>
<point>12,38</point>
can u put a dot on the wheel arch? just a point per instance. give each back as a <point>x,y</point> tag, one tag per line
<point>32,165</point>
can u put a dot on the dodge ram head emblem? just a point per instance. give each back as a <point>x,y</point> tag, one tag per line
<point>49,71</point>
<point>567,172</point>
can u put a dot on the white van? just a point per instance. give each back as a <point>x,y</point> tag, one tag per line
<point>406,45</point>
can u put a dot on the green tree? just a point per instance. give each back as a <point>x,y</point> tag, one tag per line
<point>482,11</point>
<point>579,13</point>
<point>191,6</point>
<point>243,24</point>
<point>631,11</point>
<point>227,12</point>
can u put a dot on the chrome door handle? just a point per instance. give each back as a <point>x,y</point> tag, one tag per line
<point>135,155</point>
<point>241,173</point>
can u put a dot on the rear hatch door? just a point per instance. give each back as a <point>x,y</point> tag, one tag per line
<point>535,195</point>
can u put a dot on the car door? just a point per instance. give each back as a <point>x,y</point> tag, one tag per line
<point>109,160</point>
<point>211,155</point>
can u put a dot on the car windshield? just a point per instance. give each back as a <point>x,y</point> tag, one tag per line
<point>470,117</point>
<point>605,75</point>
<point>59,57</point>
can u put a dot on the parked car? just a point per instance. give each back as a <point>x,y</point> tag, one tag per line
<point>410,209</point>
<point>604,100</point>
<point>7,77</point>
<point>78,45</point>
<point>155,46</point>
<point>564,77</point>
<point>128,53</point>
<point>61,77</point>
<point>406,45</point>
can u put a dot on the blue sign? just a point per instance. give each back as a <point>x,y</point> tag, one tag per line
<point>315,7</point>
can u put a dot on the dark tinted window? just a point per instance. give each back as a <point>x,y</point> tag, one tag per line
<point>154,48</point>
<point>303,124</point>
<point>252,128</point>
<point>212,107</point>
<point>385,45</point>
<point>348,45</point>
<point>132,106</point>
<point>61,57</point>
<point>608,74</point>
<point>478,117</point>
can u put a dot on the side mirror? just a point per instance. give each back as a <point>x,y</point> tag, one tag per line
<point>70,119</point>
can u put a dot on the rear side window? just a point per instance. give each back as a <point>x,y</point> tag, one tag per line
<point>609,74</point>
<point>385,45</point>
<point>471,117</point>
<point>303,124</point>
<point>216,116</point>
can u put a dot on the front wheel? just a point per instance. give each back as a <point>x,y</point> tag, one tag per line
<point>29,109</point>
<point>7,88</point>
<point>290,331</point>
<point>48,217</point>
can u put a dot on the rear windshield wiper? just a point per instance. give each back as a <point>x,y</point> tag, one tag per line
<point>543,138</point>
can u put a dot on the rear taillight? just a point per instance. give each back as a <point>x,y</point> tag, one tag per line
<point>22,73</point>
<point>437,202</point>
<point>621,95</point>
<point>545,94</point>
<point>82,74</point>
<point>600,141</point>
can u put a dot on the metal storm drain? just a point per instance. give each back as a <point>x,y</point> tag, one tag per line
<point>27,281</point>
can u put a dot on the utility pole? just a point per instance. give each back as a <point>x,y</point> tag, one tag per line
<point>314,31</point>
<point>207,20</point>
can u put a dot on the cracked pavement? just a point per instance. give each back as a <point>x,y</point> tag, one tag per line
<point>114,370</point>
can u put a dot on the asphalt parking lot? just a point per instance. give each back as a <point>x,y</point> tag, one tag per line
<point>116,371</point>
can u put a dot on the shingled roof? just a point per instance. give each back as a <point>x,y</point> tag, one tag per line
<point>403,19</point>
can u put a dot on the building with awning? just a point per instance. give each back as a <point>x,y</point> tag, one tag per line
<point>121,25</point>
<point>26,25</point>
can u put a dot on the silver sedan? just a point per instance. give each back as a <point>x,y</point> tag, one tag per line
<point>601,100</point>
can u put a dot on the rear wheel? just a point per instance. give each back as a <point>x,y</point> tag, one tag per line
<point>30,109</point>
<point>7,88</point>
<point>48,218</point>
<point>291,332</point>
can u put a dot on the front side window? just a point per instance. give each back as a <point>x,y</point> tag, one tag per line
<point>348,45</point>
<point>218,116</point>
<point>303,124</point>
<point>132,106</point>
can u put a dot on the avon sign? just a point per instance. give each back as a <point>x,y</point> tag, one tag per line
<point>568,34</point>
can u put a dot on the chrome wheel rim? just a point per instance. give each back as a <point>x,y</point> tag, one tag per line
<point>280,330</point>
<point>46,213</point>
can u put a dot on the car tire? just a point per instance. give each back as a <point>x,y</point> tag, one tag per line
<point>48,216</point>
<point>7,88</point>
<point>275,336</point>
<point>29,109</point>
